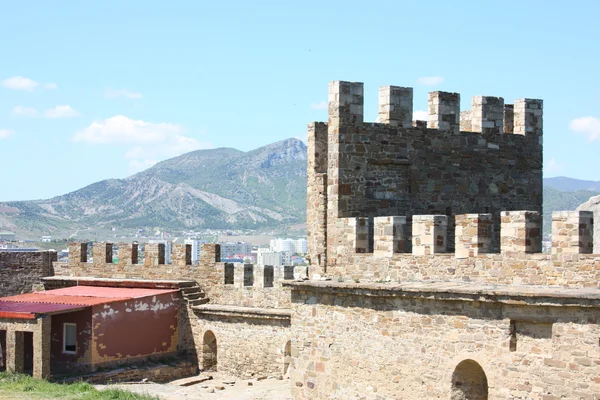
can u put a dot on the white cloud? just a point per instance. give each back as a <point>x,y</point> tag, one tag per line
<point>151,142</point>
<point>4,133</point>
<point>111,93</point>
<point>587,126</point>
<point>22,83</point>
<point>322,105</point>
<point>65,111</point>
<point>420,115</point>
<point>430,80</point>
<point>553,166</point>
<point>25,111</point>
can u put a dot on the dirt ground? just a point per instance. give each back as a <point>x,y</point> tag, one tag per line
<point>221,387</point>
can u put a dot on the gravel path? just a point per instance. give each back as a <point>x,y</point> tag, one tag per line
<point>221,387</point>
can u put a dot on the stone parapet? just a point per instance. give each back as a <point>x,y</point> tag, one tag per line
<point>392,235</point>
<point>521,231</point>
<point>473,235</point>
<point>429,234</point>
<point>573,232</point>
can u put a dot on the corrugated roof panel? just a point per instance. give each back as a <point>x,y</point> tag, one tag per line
<point>75,300</point>
<point>101,291</point>
<point>25,310</point>
<point>71,298</point>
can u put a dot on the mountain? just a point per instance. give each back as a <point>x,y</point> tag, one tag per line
<point>565,184</point>
<point>216,188</point>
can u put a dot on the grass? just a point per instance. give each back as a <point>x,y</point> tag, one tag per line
<point>17,386</point>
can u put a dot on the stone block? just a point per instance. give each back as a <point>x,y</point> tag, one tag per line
<point>429,234</point>
<point>521,231</point>
<point>391,235</point>
<point>572,232</point>
<point>473,234</point>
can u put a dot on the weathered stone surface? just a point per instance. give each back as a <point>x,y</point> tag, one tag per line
<point>376,341</point>
<point>21,272</point>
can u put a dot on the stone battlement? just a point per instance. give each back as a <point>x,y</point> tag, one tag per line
<point>481,161</point>
<point>520,231</point>
<point>154,254</point>
<point>489,114</point>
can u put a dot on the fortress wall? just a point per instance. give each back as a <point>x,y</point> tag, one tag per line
<point>246,346</point>
<point>392,168</point>
<point>378,344</point>
<point>383,252</point>
<point>21,272</point>
<point>248,287</point>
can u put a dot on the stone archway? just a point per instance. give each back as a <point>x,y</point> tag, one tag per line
<point>469,382</point>
<point>287,357</point>
<point>209,352</point>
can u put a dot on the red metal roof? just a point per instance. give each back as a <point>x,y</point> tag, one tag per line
<point>38,297</point>
<point>26,306</point>
<point>100,291</point>
<point>24,310</point>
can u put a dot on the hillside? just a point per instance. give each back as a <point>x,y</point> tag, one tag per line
<point>217,188</point>
<point>565,184</point>
<point>556,200</point>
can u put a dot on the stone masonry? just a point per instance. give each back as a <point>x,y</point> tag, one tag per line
<point>359,169</point>
<point>427,279</point>
<point>21,272</point>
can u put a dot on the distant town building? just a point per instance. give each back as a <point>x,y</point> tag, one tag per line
<point>7,236</point>
<point>46,239</point>
<point>229,249</point>
<point>267,257</point>
<point>196,248</point>
<point>289,245</point>
<point>11,248</point>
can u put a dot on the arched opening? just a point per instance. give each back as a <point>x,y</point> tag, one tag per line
<point>209,352</point>
<point>469,382</point>
<point>287,357</point>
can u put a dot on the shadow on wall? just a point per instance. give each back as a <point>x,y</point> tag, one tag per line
<point>469,382</point>
<point>209,352</point>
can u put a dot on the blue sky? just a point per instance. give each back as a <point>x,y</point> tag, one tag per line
<point>97,90</point>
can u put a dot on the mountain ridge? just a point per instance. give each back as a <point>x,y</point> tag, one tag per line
<point>217,188</point>
<point>222,188</point>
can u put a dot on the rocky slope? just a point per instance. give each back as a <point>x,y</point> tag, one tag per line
<point>217,188</point>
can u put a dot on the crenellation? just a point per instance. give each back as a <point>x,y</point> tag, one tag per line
<point>521,231</point>
<point>473,235</point>
<point>181,254</point>
<point>391,235</point>
<point>572,232</point>
<point>102,253</point>
<point>487,115</point>
<point>396,106</point>
<point>444,111</point>
<point>466,118</point>
<point>509,118</point>
<point>154,254</point>
<point>361,234</point>
<point>346,102</point>
<point>528,117</point>
<point>429,234</point>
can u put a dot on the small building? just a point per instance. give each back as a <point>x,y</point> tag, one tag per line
<point>82,328</point>
<point>7,236</point>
